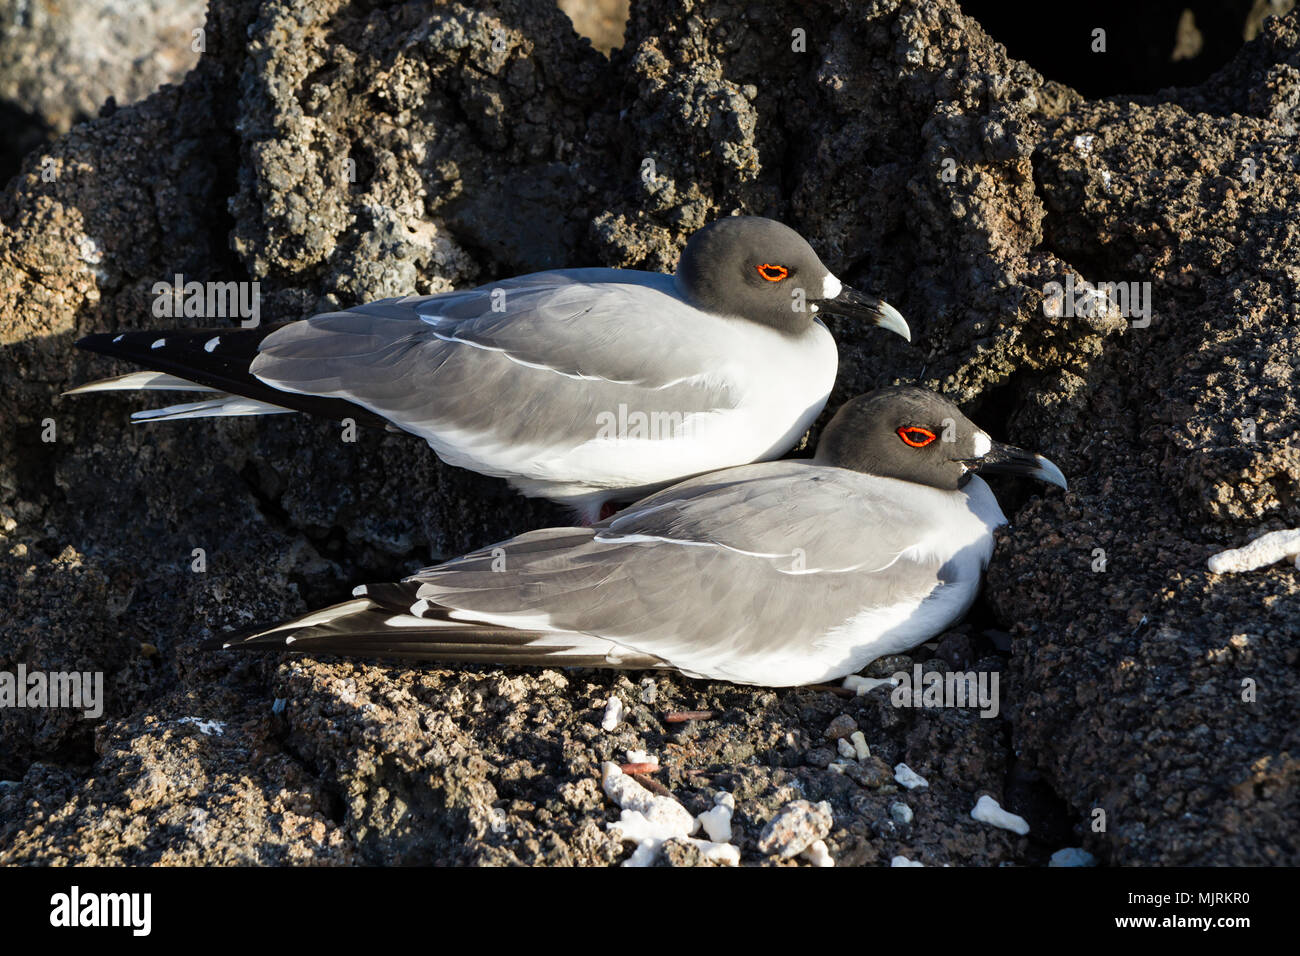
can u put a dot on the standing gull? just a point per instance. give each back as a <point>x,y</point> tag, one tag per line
<point>578,385</point>
<point>777,573</point>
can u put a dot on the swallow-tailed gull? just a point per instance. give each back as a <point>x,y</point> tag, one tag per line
<point>776,573</point>
<point>579,385</point>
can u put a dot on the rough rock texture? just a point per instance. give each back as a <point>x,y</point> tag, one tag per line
<point>61,59</point>
<point>354,150</point>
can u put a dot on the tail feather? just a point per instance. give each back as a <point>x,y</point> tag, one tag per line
<point>211,360</point>
<point>224,406</point>
<point>379,623</point>
<point>140,381</point>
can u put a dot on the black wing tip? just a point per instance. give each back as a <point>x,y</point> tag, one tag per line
<point>278,635</point>
<point>227,369</point>
<point>96,342</point>
<point>129,344</point>
<point>383,599</point>
<point>247,639</point>
<point>126,338</point>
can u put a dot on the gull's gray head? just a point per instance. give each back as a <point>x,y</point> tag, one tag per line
<point>916,435</point>
<point>765,271</point>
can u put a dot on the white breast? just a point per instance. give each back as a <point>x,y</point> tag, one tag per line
<point>782,383</point>
<point>788,382</point>
<point>959,539</point>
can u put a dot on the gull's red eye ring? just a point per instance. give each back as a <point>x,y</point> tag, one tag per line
<point>773,273</point>
<point>916,436</point>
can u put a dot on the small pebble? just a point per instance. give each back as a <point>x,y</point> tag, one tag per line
<point>846,749</point>
<point>819,757</point>
<point>1072,856</point>
<point>870,773</point>
<point>900,813</point>
<point>860,747</point>
<point>724,853</point>
<point>904,861</point>
<point>909,778</point>
<point>955,648</point>
<point>649,691</point>
<point>864,685</point>
<point>842,726</point>
<point>818,854</point>
<point>797,826</point>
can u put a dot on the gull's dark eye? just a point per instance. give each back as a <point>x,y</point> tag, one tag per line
<point>772,272</point>
<point>916,436</point>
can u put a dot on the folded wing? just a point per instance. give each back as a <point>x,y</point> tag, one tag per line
<point>744,575</point>
<point>560,352</point>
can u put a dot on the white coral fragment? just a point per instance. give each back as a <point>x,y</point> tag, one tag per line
<point>1265,550</point>
<point>613,714</point>
<point>649,820</point>
<point>908,777</point>
<point>987,810</point>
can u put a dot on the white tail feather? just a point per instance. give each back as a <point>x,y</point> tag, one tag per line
<point>221,407</point>
<point>143,381</point>
<point>323,616</point>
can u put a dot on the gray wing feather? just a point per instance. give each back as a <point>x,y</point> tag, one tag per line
<point>561,353</point>
<point>758,559</point>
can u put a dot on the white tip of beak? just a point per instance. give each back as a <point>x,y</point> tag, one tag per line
<point>894,321</point>
<point>1049,473</point>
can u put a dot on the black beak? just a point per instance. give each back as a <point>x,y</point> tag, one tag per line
<point>851,304</point>
<point>1009,460</point>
